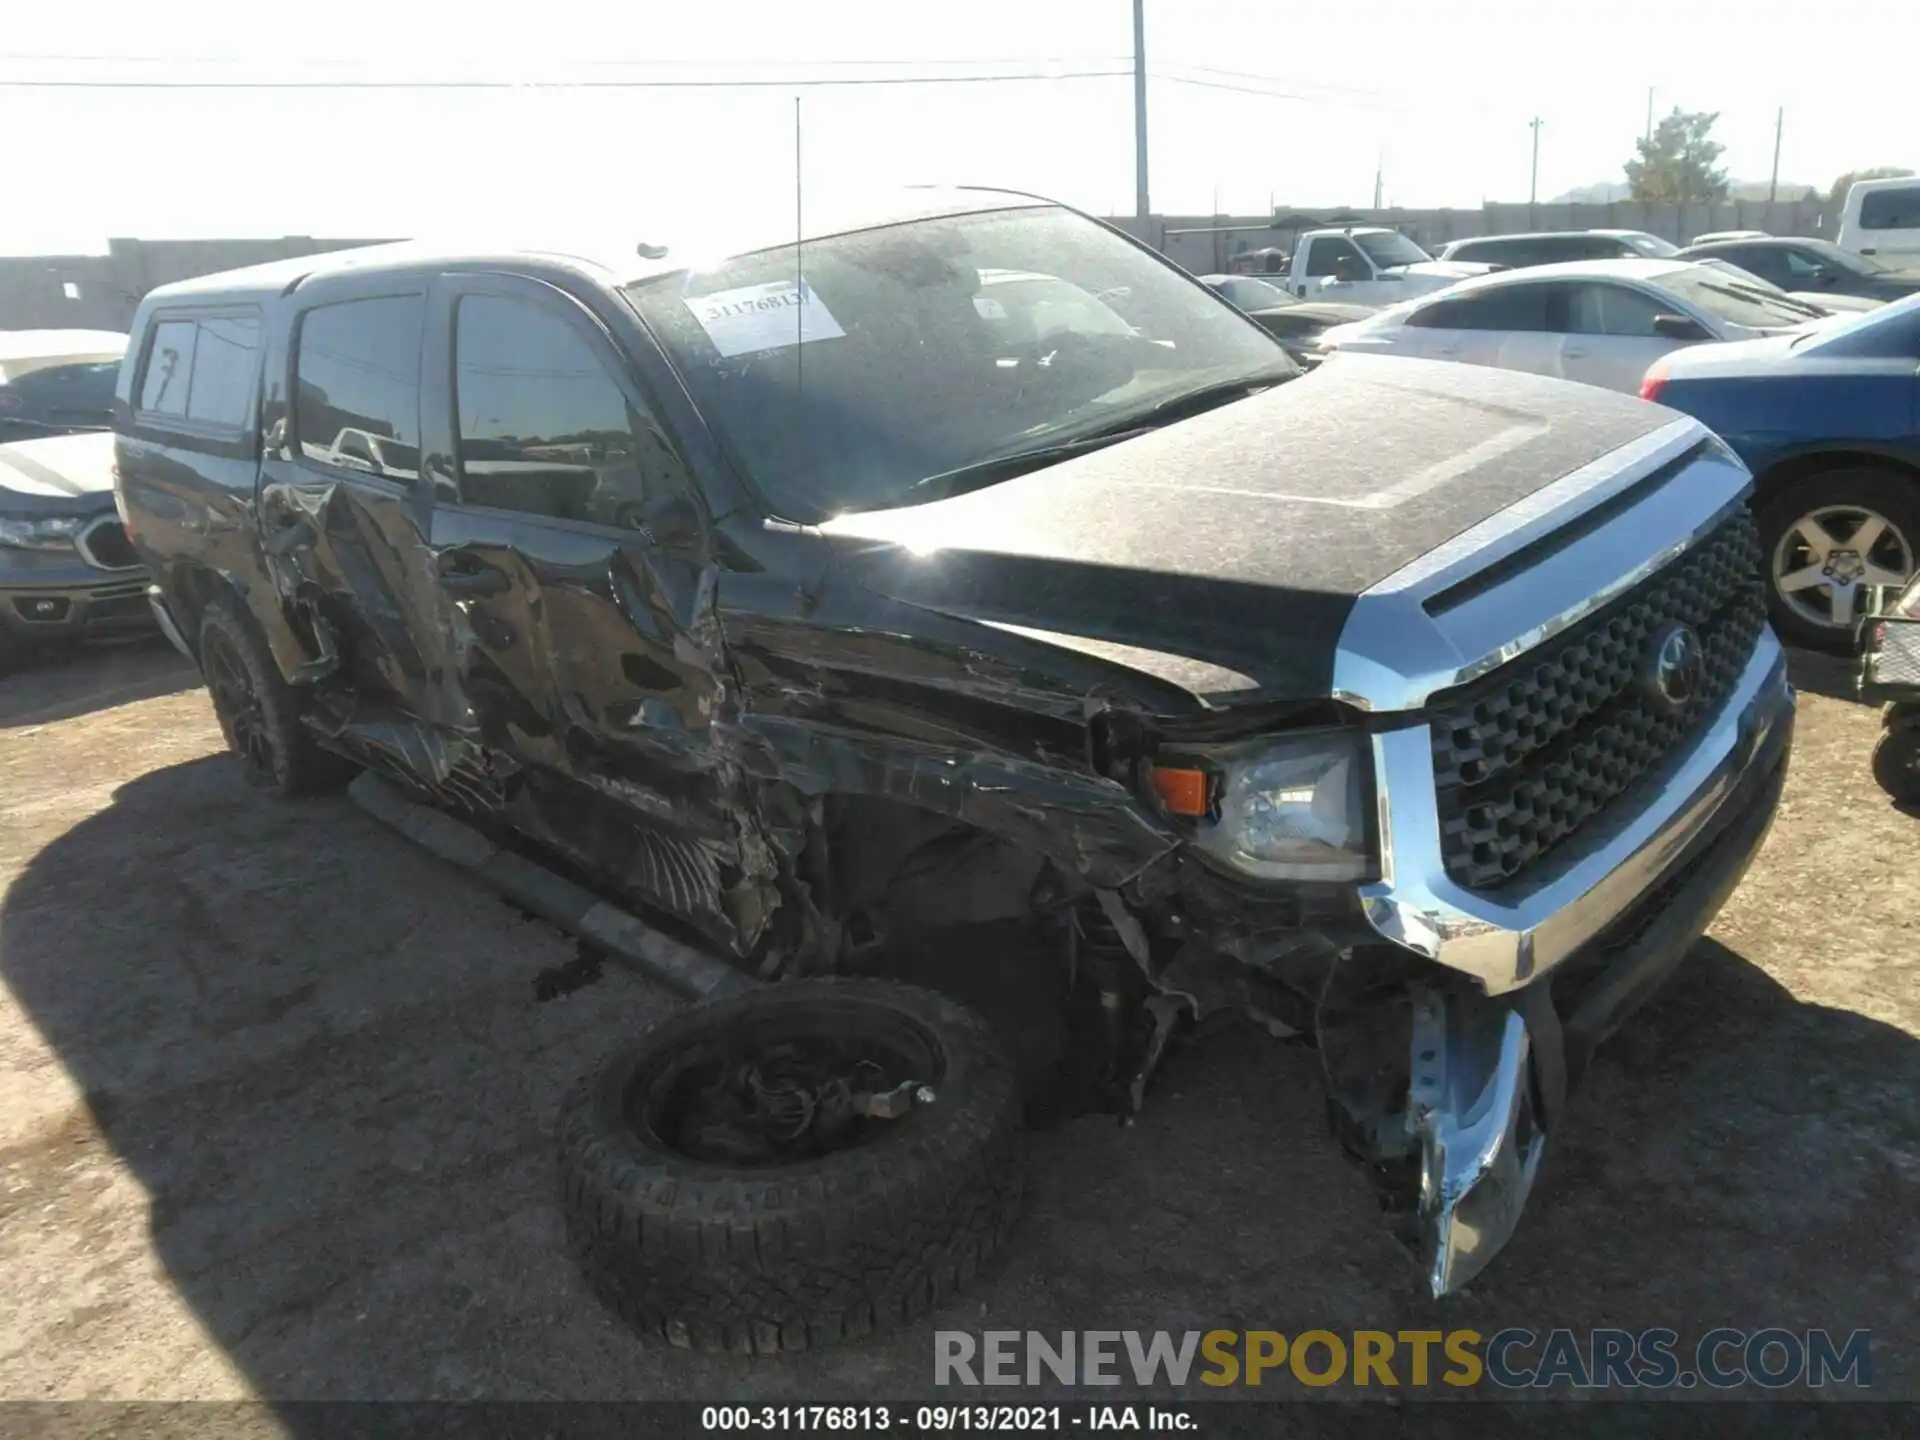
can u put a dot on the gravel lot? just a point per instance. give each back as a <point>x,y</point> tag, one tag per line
<point>275,1094</point>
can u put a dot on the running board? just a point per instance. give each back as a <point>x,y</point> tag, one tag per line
<point>575,909</point>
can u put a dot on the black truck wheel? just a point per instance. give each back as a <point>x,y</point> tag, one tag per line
<point>258,711</point>
<point>1896,763</point>
<point>731,1181</point>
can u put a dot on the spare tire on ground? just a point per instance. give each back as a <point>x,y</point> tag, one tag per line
<point>801,1164</point>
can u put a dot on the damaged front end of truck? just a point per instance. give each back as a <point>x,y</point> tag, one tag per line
<point>1548,754</point>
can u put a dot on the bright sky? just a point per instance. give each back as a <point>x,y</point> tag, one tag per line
<point>1443,91</point>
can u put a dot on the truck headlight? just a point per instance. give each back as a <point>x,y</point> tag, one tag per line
<point>1291,809</point>
<point>45,533</point>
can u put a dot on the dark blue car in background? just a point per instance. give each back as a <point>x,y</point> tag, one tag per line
<point>1829,422</point>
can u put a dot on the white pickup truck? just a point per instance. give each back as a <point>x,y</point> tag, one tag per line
<point>1368,265</point>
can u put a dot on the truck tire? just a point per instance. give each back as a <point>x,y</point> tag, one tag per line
<point>1833,504</point>
<point>259,713</point>
<point>1896,763</point>
<point>694,1238</point>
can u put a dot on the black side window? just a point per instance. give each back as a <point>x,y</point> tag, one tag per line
<point>1891,209</point>
<point>1444,315</point>
<point>1766,262</point>
<point>1513,307</point>
<point>357,385</point>
<point>226,353</point>
<point>544,428</point>
<point>202,368</point>
<point>1324,257</point>
<point>163,390</point>
<point>1602,309</point>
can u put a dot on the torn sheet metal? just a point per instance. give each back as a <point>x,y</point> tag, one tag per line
<point>1090,827</point>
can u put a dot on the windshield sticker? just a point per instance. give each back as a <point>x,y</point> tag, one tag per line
<point>989,308</point>
<point>763,317</point>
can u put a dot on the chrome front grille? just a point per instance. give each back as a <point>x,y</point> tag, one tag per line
<point>1526,756</point>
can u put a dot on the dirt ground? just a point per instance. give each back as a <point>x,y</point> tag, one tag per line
<point>276,1092</point>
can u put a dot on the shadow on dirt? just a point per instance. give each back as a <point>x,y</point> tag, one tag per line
<point>320,1056</point>
<point>62,684</point>
<point>1834,676</point>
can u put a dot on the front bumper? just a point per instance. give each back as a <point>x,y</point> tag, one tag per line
<point>97,607</point>
<point>1490,1078</point>
<point>1544,976</point>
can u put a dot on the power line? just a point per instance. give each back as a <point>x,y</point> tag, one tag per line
<point>1284,81</point>
<point>788,83</point>
<point>679,63</point>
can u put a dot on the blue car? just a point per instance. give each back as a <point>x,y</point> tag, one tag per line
<point>1828,420</point>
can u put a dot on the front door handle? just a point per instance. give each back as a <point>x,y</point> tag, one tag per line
<point>462,574</point>
<point>1575,352</point>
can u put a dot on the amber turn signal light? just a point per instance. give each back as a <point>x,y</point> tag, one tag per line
<point>1183,792</point>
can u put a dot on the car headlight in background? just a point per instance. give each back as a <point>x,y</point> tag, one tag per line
<point>45,533</point>
<point>1286,809</point>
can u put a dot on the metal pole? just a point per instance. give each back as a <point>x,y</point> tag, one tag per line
<point>799,273</point>
<point>1141,207</point>
<point>1649,135</point>
<point>1533,184</point>
<point>1773,185</point>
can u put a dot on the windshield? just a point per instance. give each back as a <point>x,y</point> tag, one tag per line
<point>1650,245</point>
<point>1728,295</point>
<point>1251,294</point>
<point>921,348</point>
<point>1388,248</point>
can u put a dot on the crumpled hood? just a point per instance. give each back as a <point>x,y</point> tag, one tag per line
<point>1223,553</point>
<point>58,474</point>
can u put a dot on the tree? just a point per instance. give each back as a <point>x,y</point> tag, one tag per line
<point>1838,193</point>
<point>1676,165</point>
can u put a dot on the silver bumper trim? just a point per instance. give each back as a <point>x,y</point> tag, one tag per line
<point>1509,939</point>
<point>1480,1141</point>
<point>164,618</point>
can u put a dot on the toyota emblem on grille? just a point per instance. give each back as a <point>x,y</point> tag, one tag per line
<point>1670,675</point>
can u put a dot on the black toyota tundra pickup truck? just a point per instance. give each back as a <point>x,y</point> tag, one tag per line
<point>829,600</point>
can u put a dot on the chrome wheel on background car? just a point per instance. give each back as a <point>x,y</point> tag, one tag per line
<point>1832,539</point>
<point>1825,561</point>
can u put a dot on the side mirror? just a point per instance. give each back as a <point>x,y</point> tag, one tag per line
<point>1679,327</point>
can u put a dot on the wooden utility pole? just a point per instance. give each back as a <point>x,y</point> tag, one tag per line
<point>1141,206</point>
